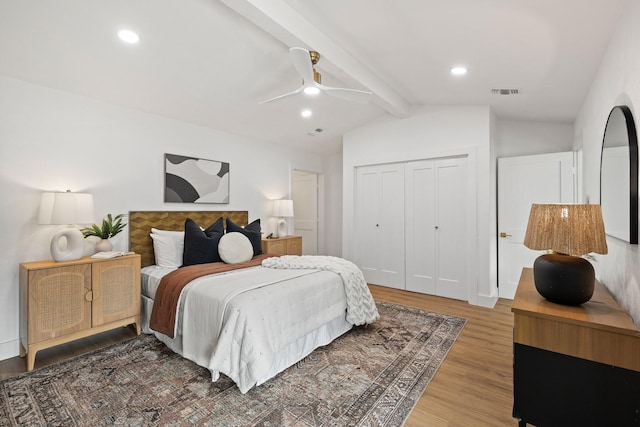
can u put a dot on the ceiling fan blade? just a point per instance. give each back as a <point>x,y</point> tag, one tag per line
<point>302,63</point>
<point>353,95</point>
<point>279,97</point>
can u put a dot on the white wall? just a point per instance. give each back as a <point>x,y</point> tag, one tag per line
<point>333,206</point>
<point>54,141</point>
<point>525,138</point>
<point>617,82</point>
<point>430,132</point>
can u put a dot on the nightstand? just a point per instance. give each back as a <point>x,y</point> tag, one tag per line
<point>65,301</point>
<point>289,245</point>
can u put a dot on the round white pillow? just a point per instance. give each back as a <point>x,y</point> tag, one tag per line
<point>235,247</point>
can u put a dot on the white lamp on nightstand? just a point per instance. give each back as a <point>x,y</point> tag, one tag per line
<point>282,209</point>
<point>66,209</point>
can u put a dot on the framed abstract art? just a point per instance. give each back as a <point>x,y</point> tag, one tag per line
<point>193,180</point>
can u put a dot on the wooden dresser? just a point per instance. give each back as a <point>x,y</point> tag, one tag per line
<point>64,301</point>
<point>289,245</point>
<point>574,366</point>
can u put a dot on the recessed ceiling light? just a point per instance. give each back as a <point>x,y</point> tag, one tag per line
<point>306,113</point>
<point>311,90</point>
<point>459,71</point>
<point>129,36</point>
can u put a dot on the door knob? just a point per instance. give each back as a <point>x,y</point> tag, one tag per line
<point>503,235</point>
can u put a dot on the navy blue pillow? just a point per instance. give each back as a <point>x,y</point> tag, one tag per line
<point>201,247</point>
<point>252,231</point>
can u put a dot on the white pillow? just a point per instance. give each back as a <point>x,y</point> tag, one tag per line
<point>235,247</point>
<point>168,247</point>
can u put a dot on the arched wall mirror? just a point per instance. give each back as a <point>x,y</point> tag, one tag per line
<point>619,176</point>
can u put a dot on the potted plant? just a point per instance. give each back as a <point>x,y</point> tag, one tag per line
<point>109,228</point>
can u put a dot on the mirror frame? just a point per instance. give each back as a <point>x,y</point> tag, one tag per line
<point>632,138</point>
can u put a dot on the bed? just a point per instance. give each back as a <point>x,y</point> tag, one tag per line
<point>248,320</point>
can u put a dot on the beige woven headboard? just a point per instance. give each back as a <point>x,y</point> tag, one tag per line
<point>141,222</point>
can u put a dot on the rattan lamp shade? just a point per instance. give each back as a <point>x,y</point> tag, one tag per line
<point>572,229</point>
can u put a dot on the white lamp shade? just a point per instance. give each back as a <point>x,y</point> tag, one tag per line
<point>66,208</point>
<point>283,208</point>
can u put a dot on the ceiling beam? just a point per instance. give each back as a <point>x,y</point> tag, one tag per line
<point>286,24</point>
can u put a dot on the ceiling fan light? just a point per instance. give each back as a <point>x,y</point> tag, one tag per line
<point>312,90</point>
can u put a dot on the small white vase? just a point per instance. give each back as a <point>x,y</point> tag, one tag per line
<point>104,245</point>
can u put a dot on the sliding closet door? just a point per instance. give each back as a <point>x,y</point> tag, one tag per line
<point>436,227</point>
<point>420,216</point>
<point>379,224</point>
<point>451,228</point>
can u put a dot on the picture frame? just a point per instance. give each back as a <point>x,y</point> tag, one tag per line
<point>195,180</point>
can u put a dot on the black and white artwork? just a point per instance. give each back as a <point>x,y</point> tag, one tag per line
<point>193,180</point>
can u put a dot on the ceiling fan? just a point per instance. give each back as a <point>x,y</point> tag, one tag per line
<point>303,61</point>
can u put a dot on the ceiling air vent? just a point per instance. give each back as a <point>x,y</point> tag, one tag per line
<point>504,91</point>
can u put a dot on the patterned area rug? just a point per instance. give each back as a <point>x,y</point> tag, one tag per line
<point>369,377</point>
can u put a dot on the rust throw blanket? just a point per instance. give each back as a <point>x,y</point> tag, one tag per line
<point>165,304</point>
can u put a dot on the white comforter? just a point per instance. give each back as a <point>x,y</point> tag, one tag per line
<point>284,305</point>
<point>361,308</point>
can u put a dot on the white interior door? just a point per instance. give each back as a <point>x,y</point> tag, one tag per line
<point>451,228</point>
<point>522,181</point>
<point>379,224</point>
<point>305,210</point>
<point>420,223</point>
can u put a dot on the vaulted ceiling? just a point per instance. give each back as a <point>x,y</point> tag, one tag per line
<point>211,62</point>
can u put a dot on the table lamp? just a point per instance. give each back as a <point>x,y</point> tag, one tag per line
<point>66,209</point>
<point>569,230</point>
<point>282,209</point>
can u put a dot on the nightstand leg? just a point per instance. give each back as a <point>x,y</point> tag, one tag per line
<point>31,360</point>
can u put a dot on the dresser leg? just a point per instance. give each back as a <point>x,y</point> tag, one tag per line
<point>522,423</point>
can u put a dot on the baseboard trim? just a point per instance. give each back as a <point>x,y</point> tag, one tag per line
<point>9,349</point>
<point>486,301</point>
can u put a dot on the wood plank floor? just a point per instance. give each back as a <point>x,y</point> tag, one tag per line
<point>473,387</point>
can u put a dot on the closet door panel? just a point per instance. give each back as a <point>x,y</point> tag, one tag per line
<point>391,227</point>
<point>367,235</point>
<point>451,232</point>
<point>420,227</point>
<point>379,224</point>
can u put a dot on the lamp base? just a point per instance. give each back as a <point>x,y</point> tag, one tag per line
<point>282,228</point>
<point>72,250</point>
<point>564,279</point>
